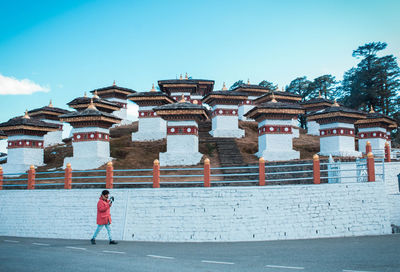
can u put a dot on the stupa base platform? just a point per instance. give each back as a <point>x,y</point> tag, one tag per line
<point>284,155</point>
<point>341,153</point>
<point>296,132</point>
<point>179,159</point>
<point>86,163</point>
<point>148,136</point>
<point>11,168</point>
<point>225,133</point>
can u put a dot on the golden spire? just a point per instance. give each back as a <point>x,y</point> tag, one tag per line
<point>91,105</point>
<point>273,100</point>
<point>95,95</point>
<point>335,104</point>
<point>26,116</point>
<point>114,83</point>
<point>180,77</point>
<point>186,76</point>
<point>152,88</point>
<point>224,87</point>
<point>371,110</point>
<point>182,99</point>
<point>319,94</point>
<point>84,94</point>
<point>248,81</point>
<point>283,89</point>
<point>50,104</point>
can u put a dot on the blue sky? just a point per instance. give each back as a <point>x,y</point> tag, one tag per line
<point>63,48</point>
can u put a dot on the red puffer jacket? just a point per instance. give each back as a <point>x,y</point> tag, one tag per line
<point>103,212</point>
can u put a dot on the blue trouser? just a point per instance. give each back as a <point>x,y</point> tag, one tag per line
<point>99,227</point>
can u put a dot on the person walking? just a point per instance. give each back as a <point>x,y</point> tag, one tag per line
<point>103,217</point>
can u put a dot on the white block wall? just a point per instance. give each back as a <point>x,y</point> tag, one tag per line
<point>121,113</point>
<point>225,125</point>
<point>20,159</point>
<point>150,129</point>
<point>202,214</point>
<point>243,109</point>
<point>276,147</point>
<point>342,146</point>
<point>392,169</point>
<point>313,128</point>
<point>181,149</point>
<point>89,154</point>
<point>377,144</point>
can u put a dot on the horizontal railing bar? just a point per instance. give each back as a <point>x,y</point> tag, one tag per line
<point>177,176</point>
<point>52,172</point>
<point>232,181</point>
<point>91,177</point>
<point>128,183</point>
<point>287,165</point>
<point>181,182</point>
<point>45,184</point>
<point>49,178</point>
<point>180,169</point>
<point>233,174</point>
<point>343,170</point>
<point>88,183</point>
<point>345,177</point>
<point>268,180</point>
<point>132,170</point>
<point>133,176</point>
<point>234,167</point>
<point>291,172</point>
<point>87,171</point>
<point>14,174</point>
<point>14,185</point>
<point>11,179</point>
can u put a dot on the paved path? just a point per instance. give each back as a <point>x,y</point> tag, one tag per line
<point>366,254</point>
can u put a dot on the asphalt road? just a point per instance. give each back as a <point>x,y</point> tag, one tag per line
<point>366,254</point>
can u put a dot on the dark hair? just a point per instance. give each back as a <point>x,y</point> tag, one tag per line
<point>105,192</point>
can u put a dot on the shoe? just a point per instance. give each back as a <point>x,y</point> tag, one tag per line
<point>93,241</point>
<point>112,242</point>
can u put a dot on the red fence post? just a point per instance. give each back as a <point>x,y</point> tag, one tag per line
<point>207,173</point>
<point>109,175</point>
<point>387,152</point>
<point>1,178</point>
<point>68,177</point>
<point>370,167</point>
<point>31,178</point>
<point>316,170</point>
<point>261,172</point>
<point>368,147</point>
<point>156,174</point>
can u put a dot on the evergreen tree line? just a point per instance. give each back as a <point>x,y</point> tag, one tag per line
<point>375,81</point>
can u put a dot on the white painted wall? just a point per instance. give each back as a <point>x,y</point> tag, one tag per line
<point>243,109</point>
<point>150,129</point>
<point>312,128</point>
<point>392,170</point>
<point>20,159</point>
<point>226,126</point>
<point>342,146</point>
<point>276,147</point>
<point>376,143</point>
<point>181,149</point>
<point>202,214</point>
<point>89,154</point>
<point>121,113</point>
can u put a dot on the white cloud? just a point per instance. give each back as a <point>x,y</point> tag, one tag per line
<point>10,85</point>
